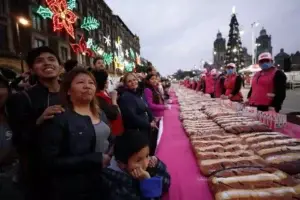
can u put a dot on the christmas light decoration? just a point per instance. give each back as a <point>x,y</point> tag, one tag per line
<point>129,66</point>
<point>100,51</point>
<point>81,47</point>
<point>44,12</point>
<point>118,63</point>
<point>138,59</point>
<point>107,58</point>
<point>107,40</point>
<point>132,55</point>
<point>234,46</point>
<point>72,4</point>
<point>89,43</point>
<point>90,23</point>
<point>62,16</point>
<point>126,53</point>
<point>118,43</point>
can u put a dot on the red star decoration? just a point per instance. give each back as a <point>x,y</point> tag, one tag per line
<point>82,48</point>
<point>63,18</point>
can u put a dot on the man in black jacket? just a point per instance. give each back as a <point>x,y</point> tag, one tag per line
<point>28,109</point>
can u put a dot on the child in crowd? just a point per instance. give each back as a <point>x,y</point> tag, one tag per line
<point>132,174</point>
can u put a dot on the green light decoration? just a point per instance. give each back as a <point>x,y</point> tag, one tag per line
<point>129,66</point>
<point>90,23</point>
<point>94,47</point>
<point>107,58</point>
<point>132,55</point>
<point>45,12</point>
<point>72,4</point>
<point>97,49</point>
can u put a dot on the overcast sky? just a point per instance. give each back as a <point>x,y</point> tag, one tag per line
<point>177,34</point>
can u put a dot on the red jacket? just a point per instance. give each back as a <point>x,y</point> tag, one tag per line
<point>229,85</point>
<point>219,87</point>
<point>262,88</point>
<point>209,84</point>
<point>117,124</point>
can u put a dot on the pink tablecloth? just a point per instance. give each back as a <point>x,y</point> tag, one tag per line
<point>292,130</point>
<point>175,151</point>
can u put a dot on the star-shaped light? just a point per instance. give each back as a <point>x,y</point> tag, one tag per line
<point>118,43</point>
<point>107,40</point>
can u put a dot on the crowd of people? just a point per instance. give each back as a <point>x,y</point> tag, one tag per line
<point>68,137</point>
<point>268,86</point>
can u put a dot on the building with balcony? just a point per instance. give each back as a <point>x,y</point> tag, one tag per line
<point>219,51</point>
<point>40,32</point>
<point>280,58</point>
<point>295,59</point>
<point>263,43</point>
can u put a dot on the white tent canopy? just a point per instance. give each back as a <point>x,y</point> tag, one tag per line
<point>251,68</point>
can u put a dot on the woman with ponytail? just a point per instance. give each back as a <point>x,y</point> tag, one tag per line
<point>153,97</point>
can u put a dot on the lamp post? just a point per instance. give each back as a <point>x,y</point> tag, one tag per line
<point>253,45</point>
<point>24,22</point>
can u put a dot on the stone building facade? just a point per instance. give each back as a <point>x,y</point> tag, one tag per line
<point>295,59</point>
<point>282,56</point>
<point>40,32</point>
<point>219,50</point>
<point>263,43</point>
<point>279,59</point>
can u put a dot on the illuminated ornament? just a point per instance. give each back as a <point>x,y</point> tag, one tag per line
<point>44,12</point>
<point>118,43</point>
<point>89,43</point>
<point>132,55</point>
<point>118,62</point>
<point>90,23</point>
<point>107,40</point>
<point>129,66</point>
<point>107,58</point>
<point>100,51</point>
<point>126,53</point>
<point>62,16</point>
<point>81,47</point>
<point>71,4</point>
<point>138,59</point>
<point>122,54</point>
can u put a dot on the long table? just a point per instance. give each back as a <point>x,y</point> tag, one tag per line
<point>175,151</point>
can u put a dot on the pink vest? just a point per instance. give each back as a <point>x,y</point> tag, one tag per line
<point>209,84</point>
<point>262,85</point>
<point>229,85</point>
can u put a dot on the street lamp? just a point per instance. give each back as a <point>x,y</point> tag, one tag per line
<point>24,22</point>
<point>253,26</point>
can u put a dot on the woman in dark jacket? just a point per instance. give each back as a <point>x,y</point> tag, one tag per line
<point>135,112</point>
<point>73,144</point>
